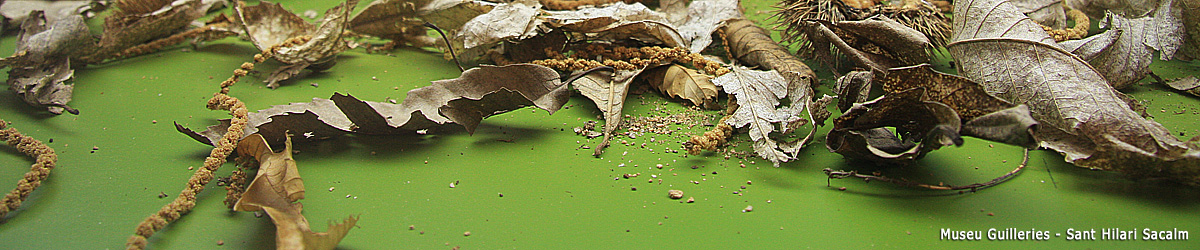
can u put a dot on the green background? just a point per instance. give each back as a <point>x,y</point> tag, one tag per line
<point>555,195</point>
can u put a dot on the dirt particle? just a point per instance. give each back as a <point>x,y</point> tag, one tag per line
<point>691,200</point>
<point>991,214</point>
<point>675,194</point>
<point>154,121</point>
<point>467,233</point>
<point>162,195</point>
<point>842,189</point>
<point>412,227</point>
<point>330,189</point>
<point>220,242</point>
<point>748,209</point>
<point>633,188</point>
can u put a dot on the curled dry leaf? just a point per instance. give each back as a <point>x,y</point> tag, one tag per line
<point>928,110</point>
<point>752,45</point>
<point>516,20</point>
<point>479,93</point>
<point>1049,13</point>
<point>618,21</point>
<point>681,82</point>
<point>1081,116</point>
<point>1189,84</point>
<point>608,89</point>
<point>1123,53</point>
<point>276,189</point>
<point>41,65</point>
<point>393,19</point>
<point>270,25</point>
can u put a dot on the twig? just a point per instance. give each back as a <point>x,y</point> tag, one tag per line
<point>448,45</point>
<point>906,183</point>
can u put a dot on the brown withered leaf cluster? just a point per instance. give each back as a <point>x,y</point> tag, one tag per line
<point>269,26</point>
<point>479,93</point>
<point>928,110</point>
<point>277,190</point>
<point>52,35</point>
<point>1080,113</point>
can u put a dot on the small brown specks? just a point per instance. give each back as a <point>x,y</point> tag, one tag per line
<point>220,242</point>
<point>748,209</point>
<point>153,121</point>
<point>633,188</point>
<point>691,200</point>
<point>467,233</point>
<point>162,195</point>
<point>991,214</point>
<point>330,189</point>
<point>412,227</point>
<point>842,189</point>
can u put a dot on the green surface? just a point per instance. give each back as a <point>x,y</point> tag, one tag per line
<point>555,195</point>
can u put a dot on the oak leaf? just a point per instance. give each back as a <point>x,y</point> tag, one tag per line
<point>276,188</point>
<point>479,93</point>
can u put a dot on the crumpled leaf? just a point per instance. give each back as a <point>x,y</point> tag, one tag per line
<point>479,93</point>
<point>269,24</point>
<point>451,15</point>
<point>1123,53</point>
<point>42,66</point>
<point>1189,84</point>
<point>17,11</point>
<point>758,95</point>
<point>922,126</point>
<point>877,42</point>
<point>618,21</point>
<point>920,104</point>
<point>1081,116</point>
<point>515,20</point>
<point>1129,8</point>
<point>703,18</point>
<point>276,189</point>
<point>681,82</point>
<point>608,89</point>
<point>393,19</point>
<point>1045,12</point>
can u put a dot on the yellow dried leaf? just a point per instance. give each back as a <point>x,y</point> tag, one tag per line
<point>275,189</point>
<point>678,81</point>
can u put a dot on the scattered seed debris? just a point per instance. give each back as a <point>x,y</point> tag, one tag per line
<point>675,194</point>
<point>842,189</point>
<point>330,189</point>
<point>691,200</point>
<point>220,242</point>
<point>748,209</point>
<point>162,195</point>
<point>467,233</point>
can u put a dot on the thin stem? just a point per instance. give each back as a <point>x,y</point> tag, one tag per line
<point>906,183</point>
<point>448,45</point>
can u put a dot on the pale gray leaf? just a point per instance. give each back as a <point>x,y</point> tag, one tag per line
<point>515,20</point>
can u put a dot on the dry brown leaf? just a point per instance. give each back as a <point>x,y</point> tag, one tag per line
<point>752,45</point>
<point>269,24</point>
<point>1045,12</point>
<point>516,20</point>
<point>703,18</point>
<point>928,110</point>
<point>16,11</point>
<point>276,189</point>
<point>1123,53</point>
<point>681,82</point>
<point>608,90</point>
<point>1191,23</point>
<point>479,93</point>
<point>1081,116</point>
<point>393,19</point>
<point>1129,8</point>
<point>42,66</point>
<point>921,127</point>
<point>1189,84</point>
<point>618,21</point>
<point>139,21</point>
